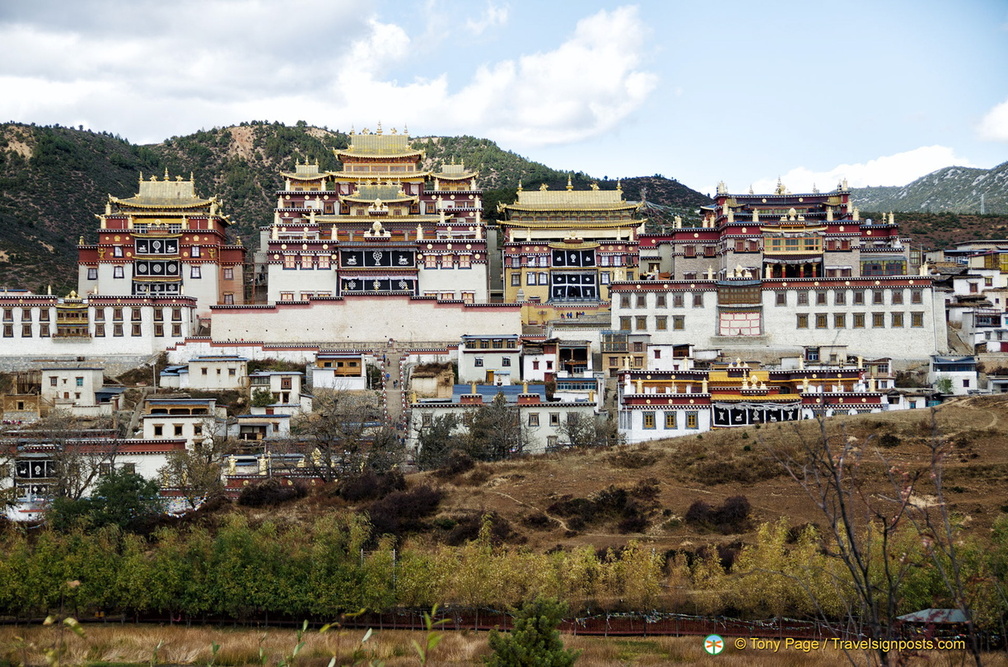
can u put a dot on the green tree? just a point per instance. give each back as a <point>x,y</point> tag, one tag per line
<point>120,498</point>
<point>534,640</point>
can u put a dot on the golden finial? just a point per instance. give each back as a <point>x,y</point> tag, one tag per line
<point>141,179</point>
<point>191,176</point>
<point>166,173</point>
<point>619,185</point>
<point>379,128</point>
<point>569,185</point>
<point>519,185</point>
<point>544,187</point>
<point>405,130</point>
<point>80,241</point>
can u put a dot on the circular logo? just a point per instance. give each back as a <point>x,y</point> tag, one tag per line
<point>713,644</point>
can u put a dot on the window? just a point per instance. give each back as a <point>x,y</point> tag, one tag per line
<point>544,279</point>
<point>820,298</point>
<point>229,272</point>
<point>117,251</point>
<point>897,297</point>
<point>158,315</point>
<point>678,322</point>
<point>323,261</point>
<point>624,323</point>
<point>194,272</point>
<point>858,298</point>
<point>877,320</point>
<point>659,301</point>
<point>821,320</point>
<point>430,261</point>
<point>840,298</point>
<point>92,273</point>
<point>306,261</point>
<point>657,354</point>
<point>802,298</point>
<point>625,301</point>
<point>533,419</point>
<point>135,330</point>
<point>8,331</point>
<point>878,297</point>
<point>197,429</point>
<point>896,320</point>
<point>554,419</point>
<point>802,320</point>
<point>478,362</point>
<point>641,323</point>
<point>859,320</point>
<point>52,381</point>
<point>135,314</point>
<point>290,261</point>
<point>506,361</point>
<point>535,365</point>
<point>79,381</point>
<point>286,296</point>
<point>158,330</point>
<point>916,296</point>
<point>698,300</point>
<point>117,330</point>
<point>692,420</point>
<point>781,298</point>
<point>26,331</point>
<point>44,330</point>
<point>515,280</point>
<point>117,272</point>
<point>604,278</point>
<point>229,298</point>
<point>465,261</point>
<point>661,323</point>
<point>641,301</point>
<point>916,320</point>
<point>178,429</point>
<point>176,330</point>
<point>530,278</point>
<point>158,430</point>
<point>670,420</point>
<point>677,300</point>
<point>839,320</point>
<point>649,419</point>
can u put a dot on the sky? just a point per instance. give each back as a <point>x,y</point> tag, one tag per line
<point>879,92</point>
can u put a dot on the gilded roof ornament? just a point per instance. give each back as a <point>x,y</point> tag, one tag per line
<point>570,186</point>
<point>722,189</point>
<point>619,185</point>
<point>519,185</point>
<point>781,190</point>
<point>594,186</point>
<point>379,128</point>
<point>544,187</point>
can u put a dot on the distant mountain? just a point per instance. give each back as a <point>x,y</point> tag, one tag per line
<point>54,180</point>
<point>952,189</point>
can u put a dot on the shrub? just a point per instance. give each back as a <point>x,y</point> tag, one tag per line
<point>889,440</point>
<point>370,486</point>
<point>402,511</point>
<point>539,521</point>
<point>272,492</point>
<point>468,529</point>
<point>731,517</point>
<point>456,463</point>
<point>534,640</point>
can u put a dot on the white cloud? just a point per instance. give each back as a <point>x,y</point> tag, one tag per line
<point>494,16</point>
<point>147,71</point>
<point>898,169</point>
<point>994,125</point>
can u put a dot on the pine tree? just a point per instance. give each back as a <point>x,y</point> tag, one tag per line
<point>535,640</point>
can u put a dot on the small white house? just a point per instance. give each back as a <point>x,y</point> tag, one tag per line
<point>953,375</point>
<point>339,370</point>
<point>186,418</point>
<point>492,360</point>
<point>79,390</point>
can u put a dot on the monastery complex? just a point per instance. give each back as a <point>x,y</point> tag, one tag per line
<point>766,307</point>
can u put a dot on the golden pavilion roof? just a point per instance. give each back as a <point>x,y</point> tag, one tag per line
<point>385,192</point>
<point>378,145</point>
<point>594,199</point>
<point>306,172</point>
<point>165,194</point>
<point>454,172</point>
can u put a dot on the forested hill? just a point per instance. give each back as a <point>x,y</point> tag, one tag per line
<point>948,190</point>
<point>54,180</point>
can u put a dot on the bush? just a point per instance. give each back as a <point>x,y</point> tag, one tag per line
<point>402,511</point>
<point>370,486</point>
<point>457,463</point>
<point>467,528</point>
<point>889,440</point>
<point>271,492</point>
<point>731,517</point>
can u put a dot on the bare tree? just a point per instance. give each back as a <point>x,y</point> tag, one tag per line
<point>196,471</point>
<point>589,430</point>
<point>495,431</point>
<point>341,431</point>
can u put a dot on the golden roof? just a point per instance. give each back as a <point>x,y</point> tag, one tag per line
<point>165,193</point>
<point>306,172</point>
<point>567,200</point>
<point>454,172</point>
<point>378,144</point>
<point>386,193</point>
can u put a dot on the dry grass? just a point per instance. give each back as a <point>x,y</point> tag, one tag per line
<point>135,645</point>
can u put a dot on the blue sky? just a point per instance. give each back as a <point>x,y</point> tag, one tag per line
<point>876,92</point>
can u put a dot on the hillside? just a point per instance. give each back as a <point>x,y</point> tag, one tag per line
<point>53,180</point>
<point>952,189</point>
